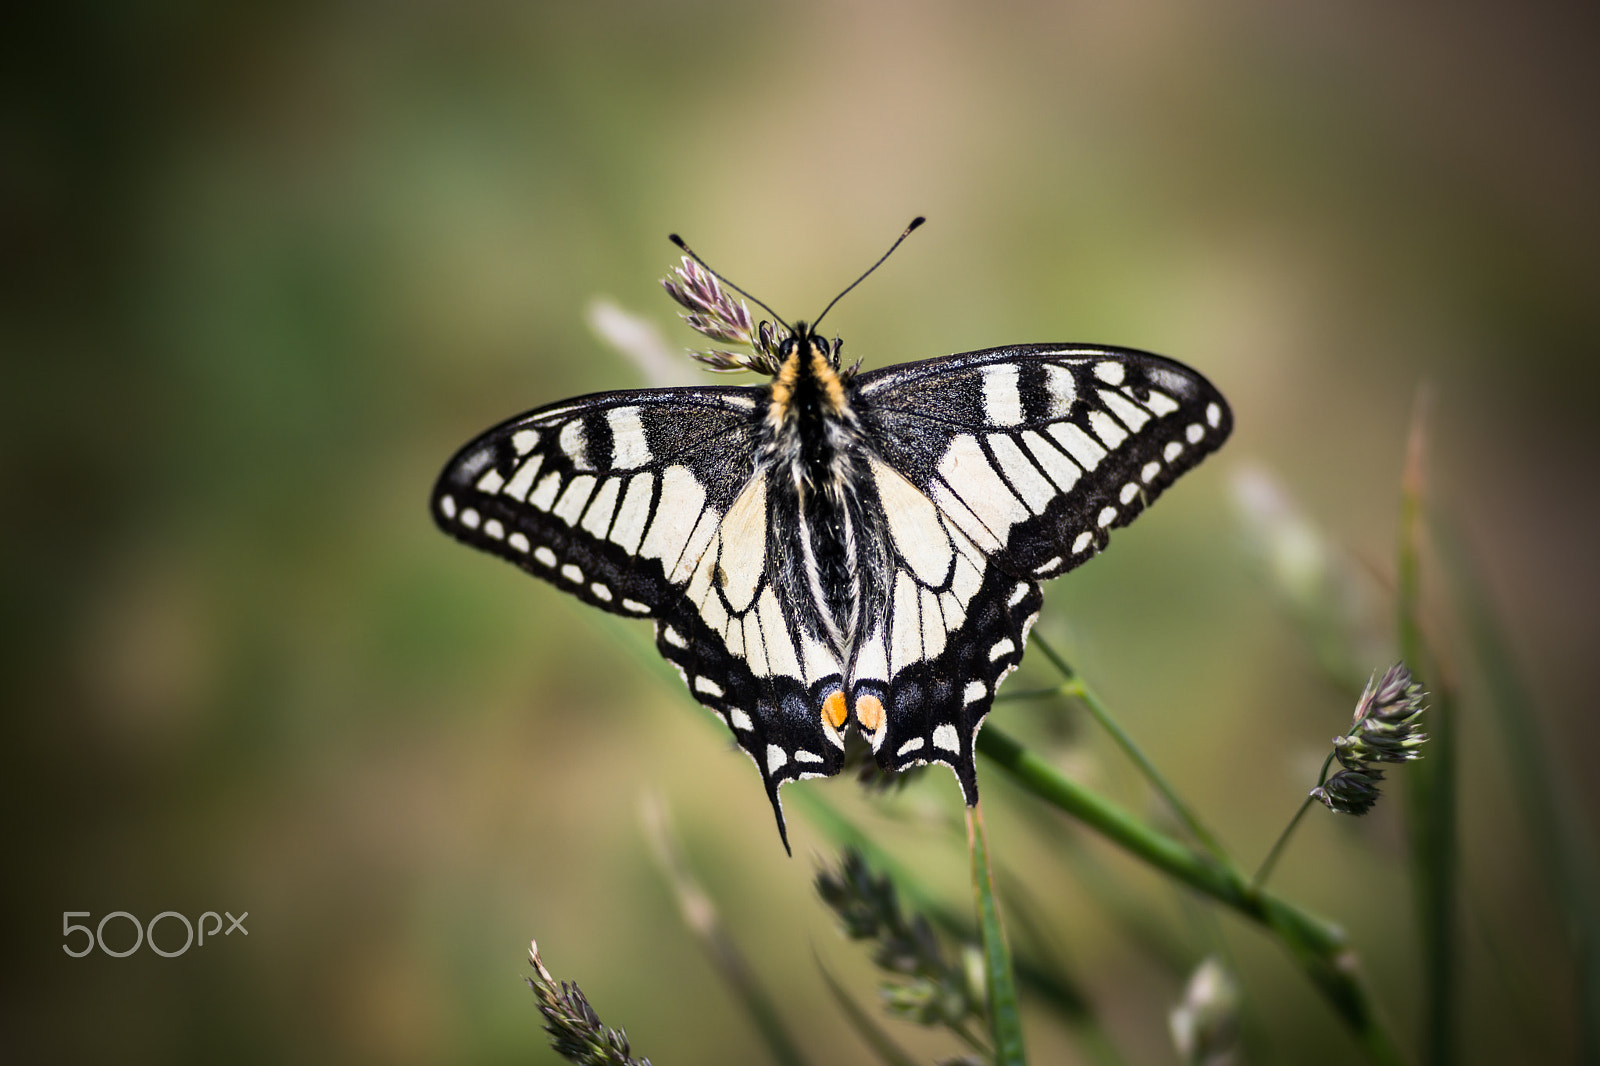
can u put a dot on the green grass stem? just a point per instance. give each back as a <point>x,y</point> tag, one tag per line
<point>1047,980</point>
<point>700,915</point>
<point>867,1028</point>
<point>1562,844</point>
<point>1317,946</point>
<point>1076,686</point>
<point>1005,1018</point>
<point>1431,784</point>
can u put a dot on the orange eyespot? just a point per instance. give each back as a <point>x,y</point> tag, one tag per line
<point>833,711</point>
<point>869,712</point>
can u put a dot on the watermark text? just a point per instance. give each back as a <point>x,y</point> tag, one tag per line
<point>144,935</point>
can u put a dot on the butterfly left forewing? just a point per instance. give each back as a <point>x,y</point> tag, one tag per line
<point>610,497</point>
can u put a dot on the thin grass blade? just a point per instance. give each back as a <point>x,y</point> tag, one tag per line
<point>1431,785</point>
<point>1562,844</point>
<point>1317,946</point>
<point>1005,1018</point>
<point>870,1032</point>
<point>700,915</point>
<point>1046,978</point>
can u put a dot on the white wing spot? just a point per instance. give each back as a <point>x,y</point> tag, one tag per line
<point>1003,646</point>
<point>523,440</point>
<point>914,744</point>
<point>570,506</point>
<point>1082,447</point>
<point>1063,471</point>
<point>914,524</point>
<point>976,690</point>
<point>968,579</point>
<point>574,440</point>
<point>1107,516</point>
<point>1107,428</point>
<point>1018,594</point>
<point>545,494</point>
<point>682,500</point>
<point>1213,415</point>
<point>447,505</point>
<point>755,648</point>
<point>630,447</point>
<point>597,519</point>
<point>470,518</point>
<point>1161,403</point>
<point>1002,401</point>
<point>933,631</point>
<point>1062,386</point>
<point>708,686</point>
<point>973,480</point>
<point>1172,450</point>
<point>494,529</point>
<point>955,612</point>
<point>815,659</point>
<point>673,637</point>
<point>776,757</point>
<point>906,633</point>
<point>739,720</point>
<point>801,755</point>
<point>522,480</point>
<point>1048,565</point>
<point>1031,485</point>
<point>491,481</point>
<point>1081,545</point>
<point>945,737</point>
<point>1170,380</point>
<point>780,650</point>
<point>572,574</point>
<point>628,530</point>
<point>600,591</point>
<point>1131,414</point>
<point>1110,372</point>
<point>518,541</point>
<point>741,547</point>
<point>1151,469</point>
<point>974,531</point>
<point>545,555</point>
<point>635,606</point>
<point>1129,491</point>
<point>1194,432</point>
<point>695,549</point>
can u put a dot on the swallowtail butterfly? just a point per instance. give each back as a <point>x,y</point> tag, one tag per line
<point>836,550</point>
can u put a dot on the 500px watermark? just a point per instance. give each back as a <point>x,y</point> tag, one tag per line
<point>146,934</point>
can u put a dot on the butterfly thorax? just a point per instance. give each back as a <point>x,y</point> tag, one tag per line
<point>814,450</point>
<point>809,417</point>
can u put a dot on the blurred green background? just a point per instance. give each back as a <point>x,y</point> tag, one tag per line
<point>267,265</point>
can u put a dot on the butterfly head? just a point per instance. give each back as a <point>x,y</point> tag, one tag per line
<point>808,377</point>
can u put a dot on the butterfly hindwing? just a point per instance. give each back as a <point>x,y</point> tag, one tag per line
<point>1024,459</point>
<point>744,651</point>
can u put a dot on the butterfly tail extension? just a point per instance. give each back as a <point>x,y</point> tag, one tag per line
<point>777,719</point>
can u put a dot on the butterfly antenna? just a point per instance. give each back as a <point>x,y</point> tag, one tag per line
<point>679,241</point>
<point>919,220</point>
